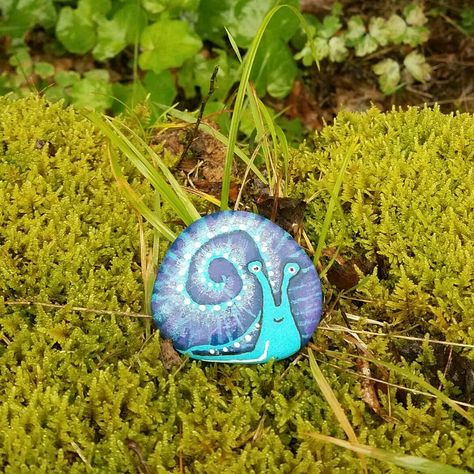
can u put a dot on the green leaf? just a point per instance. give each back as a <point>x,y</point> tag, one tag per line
<point>75,31</point>
<point>94,9</point>
<point>134,19</point>
<point>136,200</point>
<point>196,72</point>
<point>378,30</point>
<point>242,19</point>
<point>277,69</point>
<point>136,151</point>
<point>320,46</point>
<point>247,66</point>
<point>111,39</point>
<point>172,7</point>
<point>160,86</point>
<point>64,81</point>
<point>55,93</point>
<point>389,72</point>
<point>334,201</point>
<point>416,35</point>
<point>93,91</point>
<point>155,6</point>
<point>123,29</point>
<point>355,29</point>
<point>330,26</point>
<point>213,16</point>
<point>234,45</point>
<point>467,20</point>
<point>417,66</point>
<point>127,96</point>
<point>365,46</point>
<point>22,61</point>
<point>66,78</point>
<point>21,16</point>
<point>337,49</point>
<point>43,69</point>
<point>414,15</point>
<point>167,44</point>
<point>336,407</point>
<point>396,28</point>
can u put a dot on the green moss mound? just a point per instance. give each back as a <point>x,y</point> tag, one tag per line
<point>405,210</point>
<point>84,392</point>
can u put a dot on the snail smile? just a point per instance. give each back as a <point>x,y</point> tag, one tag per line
<point>278,320</point>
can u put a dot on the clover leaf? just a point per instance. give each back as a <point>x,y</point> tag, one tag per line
<point>330,26</point>
<point>337,49</point>
<point>365,46</point>
<point>389,72</point>
<point>416,35</point>
<point>378,30</point>
<point>414,15</point>
<point>396,28</point>
<point>355,29</point>
<point>417,66</point>
<point>43,69</point>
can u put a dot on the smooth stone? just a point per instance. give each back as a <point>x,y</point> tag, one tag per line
<point>234,287</point>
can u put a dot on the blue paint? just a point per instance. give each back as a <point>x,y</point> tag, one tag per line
<point>277,335</point>
<point>234,287</point>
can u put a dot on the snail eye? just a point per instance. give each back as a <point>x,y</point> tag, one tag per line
<point>255,268</point>
<point>291,269</point>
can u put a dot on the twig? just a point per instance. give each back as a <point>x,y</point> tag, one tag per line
<point>396,336</point>
<point>201,113</point>
<point>389,384</point>
<point>76,308</point>
<point>133,446</point>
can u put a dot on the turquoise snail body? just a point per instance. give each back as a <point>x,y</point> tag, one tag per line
<point>236,288</point>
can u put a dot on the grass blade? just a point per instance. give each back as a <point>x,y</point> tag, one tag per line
<point>333,201</point>
<point>261,136</point>
<point>285,151</point>
<point>333,403</point>
<point>239,100</point>
<point>408,462</point>
<point>135,200</point>
<point>178,202</point>
<point>176,187</point>
<point>234,45</point>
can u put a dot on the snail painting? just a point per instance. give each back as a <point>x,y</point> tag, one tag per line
<point>235,287</point>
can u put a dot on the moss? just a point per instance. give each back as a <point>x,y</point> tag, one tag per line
<point>83,392</point>
<point>406,207</point>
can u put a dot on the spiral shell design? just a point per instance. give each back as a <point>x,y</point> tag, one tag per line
<point>205,295</point>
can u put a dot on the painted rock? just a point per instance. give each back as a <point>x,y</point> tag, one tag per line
<point>234,287</point>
